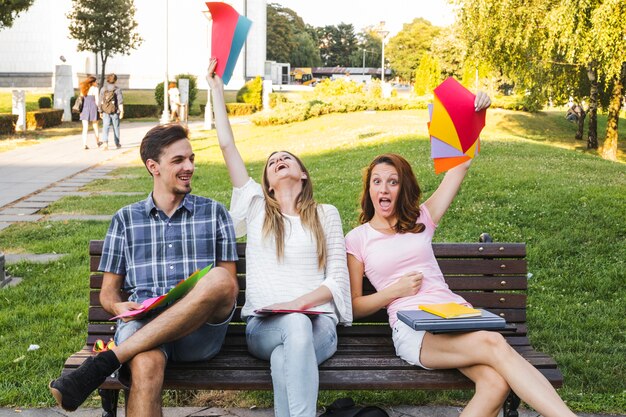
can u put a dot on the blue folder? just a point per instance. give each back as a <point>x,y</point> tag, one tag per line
<point>421,320</point>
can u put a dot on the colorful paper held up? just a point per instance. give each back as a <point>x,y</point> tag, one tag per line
<point>454,125</point>
<point>228,35</point>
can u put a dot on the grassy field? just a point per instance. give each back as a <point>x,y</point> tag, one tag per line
<point>568,205</point>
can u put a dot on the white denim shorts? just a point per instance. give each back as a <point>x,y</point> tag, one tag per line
<point>408,343</point>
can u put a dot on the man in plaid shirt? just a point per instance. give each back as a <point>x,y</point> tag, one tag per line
<point>150,247</point>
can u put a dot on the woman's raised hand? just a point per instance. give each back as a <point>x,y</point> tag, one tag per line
<point>482,101</point>
<point>214,80</point>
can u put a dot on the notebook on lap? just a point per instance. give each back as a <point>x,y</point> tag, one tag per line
<point>421,320</point>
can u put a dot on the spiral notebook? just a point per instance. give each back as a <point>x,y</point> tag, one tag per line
<point>421,320</point>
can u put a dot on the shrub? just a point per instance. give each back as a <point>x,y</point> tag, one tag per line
<point>158,94</point>
<point>43,118</point>
<point>235,109</point>
<point>252,93</point>
<point>240,109</point>
<point>44,102</point>
<point>193,90</point>
<point>133,111</point>
<point>339,87</point>
<point>7,123</point>
<point>277,98</point>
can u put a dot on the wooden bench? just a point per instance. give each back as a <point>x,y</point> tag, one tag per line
<point>489,275</point>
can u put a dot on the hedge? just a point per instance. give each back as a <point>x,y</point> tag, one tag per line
<point>7,123</point>
<point>236,109</point>
<point>285,113</point>
<point>43,118</point>
<point>133,111</point>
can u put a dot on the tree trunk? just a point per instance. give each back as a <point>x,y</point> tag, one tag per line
<point>103,58</point>
<point>609,148</point>
<point>581,125</point>
<point>592,139</point>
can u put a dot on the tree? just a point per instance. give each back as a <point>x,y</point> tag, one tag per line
<point>449,51</point>
<point>11,9</point>
<point>289,39</point>
<point>280,32</point>
<point>405,50</point>
<point>427,75</point>
<point>545,47</point>
<point>337,43</point>
<point>306,53</point>
<point>368,40</point>
<point>104,28</point>
<point>608,31</point>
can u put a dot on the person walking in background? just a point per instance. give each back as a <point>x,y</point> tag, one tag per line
<point>89,113</point>
<point>175,104</point>
<point>112,110</point>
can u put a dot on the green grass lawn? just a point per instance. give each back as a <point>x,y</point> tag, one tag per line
<point>568,205</point>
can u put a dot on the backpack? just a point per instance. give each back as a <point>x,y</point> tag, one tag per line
<point>109,102</point>
<point>345,407</point>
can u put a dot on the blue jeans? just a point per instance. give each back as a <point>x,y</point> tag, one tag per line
<point>112,119</point>
<point>295,344</point>
<point>202,344</point>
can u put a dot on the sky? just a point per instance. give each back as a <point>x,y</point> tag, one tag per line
<point>369,12</point>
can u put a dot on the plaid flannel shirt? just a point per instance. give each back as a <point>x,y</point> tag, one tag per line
<point>155,252</point>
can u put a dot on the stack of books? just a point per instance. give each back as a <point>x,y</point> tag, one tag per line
<point>450,317</point>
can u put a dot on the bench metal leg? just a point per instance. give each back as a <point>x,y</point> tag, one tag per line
<point>510,405</point>
<point>109,402</point>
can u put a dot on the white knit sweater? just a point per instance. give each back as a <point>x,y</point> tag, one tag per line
<point>269,280</point>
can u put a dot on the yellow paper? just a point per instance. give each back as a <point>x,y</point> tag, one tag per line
<point>450,310</point>
<point>441,126</point>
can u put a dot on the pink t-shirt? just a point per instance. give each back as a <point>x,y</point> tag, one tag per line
<point>387,257</point>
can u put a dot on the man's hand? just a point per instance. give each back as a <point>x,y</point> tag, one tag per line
<point>123,307</point>
<point>482,101</point>
<point>407,285</point>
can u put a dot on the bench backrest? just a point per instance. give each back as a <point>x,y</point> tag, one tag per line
<point>488,275</point>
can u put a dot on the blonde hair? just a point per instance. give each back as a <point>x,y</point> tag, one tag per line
<point>274,223</point>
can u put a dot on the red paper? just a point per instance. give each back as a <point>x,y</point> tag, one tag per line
<point>224,19</point>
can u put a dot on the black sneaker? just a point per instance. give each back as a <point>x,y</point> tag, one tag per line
<point>71,390</point>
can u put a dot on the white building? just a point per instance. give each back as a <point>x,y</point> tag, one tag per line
<point>31,48</point>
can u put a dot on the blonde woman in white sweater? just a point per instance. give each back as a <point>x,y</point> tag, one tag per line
<point>295,260</point>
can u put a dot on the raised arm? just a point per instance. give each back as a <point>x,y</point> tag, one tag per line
<point>441,199</point>
<point>236,168</point>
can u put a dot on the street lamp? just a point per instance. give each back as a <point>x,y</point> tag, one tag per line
<point>165,117</point>
<point>363,71</point>
<point>383,34</point>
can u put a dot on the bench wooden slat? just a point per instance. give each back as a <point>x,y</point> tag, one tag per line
<point>441,250</point>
